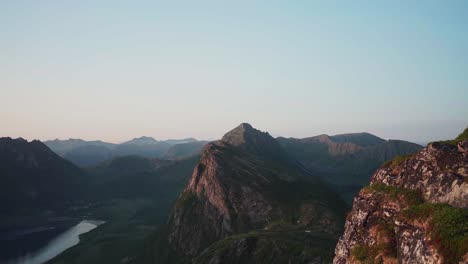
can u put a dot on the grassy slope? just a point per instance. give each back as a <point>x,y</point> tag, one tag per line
<point>282,243</point>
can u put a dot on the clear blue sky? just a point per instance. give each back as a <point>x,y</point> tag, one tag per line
<point>115,70</point>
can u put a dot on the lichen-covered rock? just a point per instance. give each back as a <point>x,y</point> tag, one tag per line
<point>439,171</point>
<point>379,230</point>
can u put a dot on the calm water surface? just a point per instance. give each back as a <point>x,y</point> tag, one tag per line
<point>57,245</point>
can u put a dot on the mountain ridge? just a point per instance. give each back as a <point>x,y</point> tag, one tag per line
<point>89,153</point>
<point>346,165</point>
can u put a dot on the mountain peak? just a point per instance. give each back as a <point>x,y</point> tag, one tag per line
<point>142,141</point>
<point>244,133</point>
<point>254,141</point>
<point>245,182</point>
<point>144,138</point>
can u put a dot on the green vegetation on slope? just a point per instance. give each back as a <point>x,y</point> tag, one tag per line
<point>396,161</point>
<point>462,137</point>
<point>448,227</point>
<point>128,223</point>
<point>411,197</point>
<point>285,243</point>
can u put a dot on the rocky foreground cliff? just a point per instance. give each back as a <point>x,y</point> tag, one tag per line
<point>413,211</point>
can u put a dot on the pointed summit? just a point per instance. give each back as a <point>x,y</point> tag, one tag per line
<point>242,183</point>
<point>142,141</point>
<point>242,134</point>
<point>254,141</point>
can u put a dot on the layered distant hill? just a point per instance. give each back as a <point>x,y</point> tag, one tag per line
<point>33,176</point>
<point>347,160</point>
<point>184,150</point>
<point>89,153</point>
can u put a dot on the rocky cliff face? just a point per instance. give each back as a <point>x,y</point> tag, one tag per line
<point>245,182</point>
<point>413,211</point>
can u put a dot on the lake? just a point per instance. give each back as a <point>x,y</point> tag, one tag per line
<point>57,245</point>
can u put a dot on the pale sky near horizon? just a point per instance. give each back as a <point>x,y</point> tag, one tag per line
<point>117,70</point>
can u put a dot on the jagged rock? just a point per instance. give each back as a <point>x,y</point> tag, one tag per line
<point>439,174</point>
<point>439,171</point>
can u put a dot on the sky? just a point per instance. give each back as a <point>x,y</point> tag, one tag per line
<point>115,70</point>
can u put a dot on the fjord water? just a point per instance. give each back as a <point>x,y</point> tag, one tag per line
<point>58,244</point>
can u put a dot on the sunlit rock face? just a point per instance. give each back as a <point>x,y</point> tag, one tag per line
<point>379,229</point>
<point>246,182</point>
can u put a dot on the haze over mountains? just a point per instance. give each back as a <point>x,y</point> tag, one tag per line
<point>247,198</point>
<point>87,153</point>
<point>345,161</point>
<point>43,191</point>
<point>234,132</point>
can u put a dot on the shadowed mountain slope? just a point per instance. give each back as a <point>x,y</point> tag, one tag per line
<point>246,183</point>
<point>346,161</point>
<point>33,176</point>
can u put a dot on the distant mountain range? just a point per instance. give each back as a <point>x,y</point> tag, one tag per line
<point>347,161</point>
<point>89,153</point>
<point>39,188</point>
<point>244,194</point>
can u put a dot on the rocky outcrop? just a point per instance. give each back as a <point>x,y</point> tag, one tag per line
<point>246,182</point>
<point>334,147</point>
<point>215,204</point>
<point>439,172</point>
<point>411,205</point>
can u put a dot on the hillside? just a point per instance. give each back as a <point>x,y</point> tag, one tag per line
<point>33,176</point>
<point>183,150</point>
